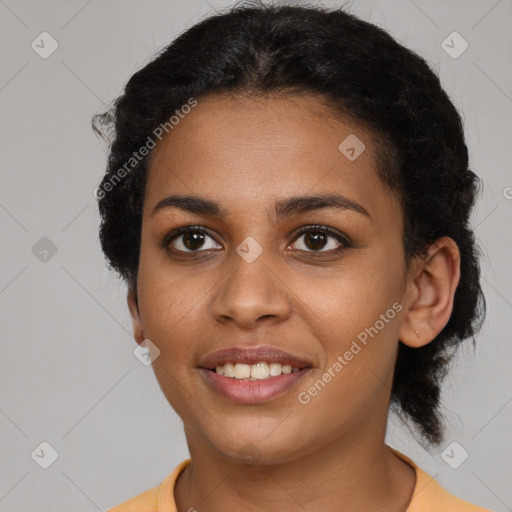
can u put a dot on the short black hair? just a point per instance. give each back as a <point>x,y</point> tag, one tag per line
<point>361,73</point>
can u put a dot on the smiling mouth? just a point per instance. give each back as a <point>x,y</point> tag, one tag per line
<point>248,390</point>
<point>252,375</point>
<point>254,372</point>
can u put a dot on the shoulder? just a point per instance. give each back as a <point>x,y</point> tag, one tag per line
<point>157,499</point>
<point>430,496</point>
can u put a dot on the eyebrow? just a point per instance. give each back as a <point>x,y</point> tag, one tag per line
<point>282,208</point>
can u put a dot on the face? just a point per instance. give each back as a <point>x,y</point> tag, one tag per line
<point>313,281</point>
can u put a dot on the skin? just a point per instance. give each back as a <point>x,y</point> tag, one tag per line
<point>330,455</point>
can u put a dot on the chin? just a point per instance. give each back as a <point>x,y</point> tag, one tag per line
<point>257,448</point>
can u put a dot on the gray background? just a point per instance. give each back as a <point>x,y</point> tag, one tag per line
<point>68,375</point>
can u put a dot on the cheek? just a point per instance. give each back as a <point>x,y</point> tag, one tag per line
<point>355,295</point>
<point>165,293</point>
<point>356,316</point>
<point>168,309</point>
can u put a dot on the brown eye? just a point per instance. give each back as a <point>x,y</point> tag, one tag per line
<point>321,239</point>
<point>189,239</point>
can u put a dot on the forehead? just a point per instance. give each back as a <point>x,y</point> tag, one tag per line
<point>253,149</point>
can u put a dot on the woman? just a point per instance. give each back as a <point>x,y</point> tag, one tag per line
<point>287,198</point>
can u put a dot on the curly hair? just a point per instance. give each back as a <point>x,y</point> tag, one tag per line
<point>362,73</point>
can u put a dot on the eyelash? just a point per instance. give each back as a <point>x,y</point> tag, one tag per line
<point>344,240</point>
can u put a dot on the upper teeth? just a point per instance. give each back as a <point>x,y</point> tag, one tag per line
<point>256,371</point>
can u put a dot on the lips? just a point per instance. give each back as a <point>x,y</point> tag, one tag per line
<point>252,391</point>
<point>245,392</point>
<point>252,355</point>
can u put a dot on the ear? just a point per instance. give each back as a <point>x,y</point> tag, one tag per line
<point>138,333</point>
<point>432,282</point>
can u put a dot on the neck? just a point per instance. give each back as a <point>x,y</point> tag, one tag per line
<point>348,475</point>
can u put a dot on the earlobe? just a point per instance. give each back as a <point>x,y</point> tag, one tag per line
<point>138,333</point>
<point>433,280</point>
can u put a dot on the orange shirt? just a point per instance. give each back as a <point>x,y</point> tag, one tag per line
<point>428,495</point>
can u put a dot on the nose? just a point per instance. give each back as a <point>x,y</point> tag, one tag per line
<point>251,293</point>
